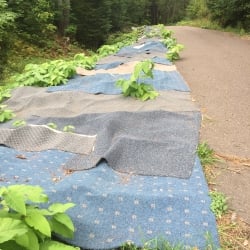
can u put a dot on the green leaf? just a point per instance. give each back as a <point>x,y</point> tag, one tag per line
<point>39,222</point>
<point>54,245</point>
<point>31,193</point>
<point>65,220</point>
<point>28,240</point>
<point>134,88</point>
<point>14,200</point>
<point>2,190</point>
<point>5,114</point>
<point>11,245</point>
<point>52,125</point>
<point>61,229</point>
<point>19,123</point>
<point>10,228</point>
<point>69,129</point>
<point>60,208</point>
<point>145,97</point>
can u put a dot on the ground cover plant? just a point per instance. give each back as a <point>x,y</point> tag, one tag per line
<point>173,48</point>
<point>133,87</point>
<point>233,231</point>
<point>53,73</point>
<point>19,123</point>
<point>26,226</point>
<point>163,244</point>
<point>119,40</point>
<point>219,203</point>
<point>5,114</point>
<point>206,154</point>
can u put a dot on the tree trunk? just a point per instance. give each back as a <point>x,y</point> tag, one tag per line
<point>63,7</point>
<point>154,12</point>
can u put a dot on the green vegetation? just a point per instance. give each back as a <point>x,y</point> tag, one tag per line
<point>170,42</point>
<point>7,22</point>
<point>154,244</point>
<point>29,27</point>
<point>227,15</point>
<point>136,89</point>
<point>52,125</point>
<point>69,129</point>
<point>19,123</point>
<point>173,53</point>
<point>206,154</point>
<point>218,204</point>
<point>26,226</point>
<point>52,73</point>
<point>163,244</point>
<point>4,93</point>
<point>5,114</point>
<point>47,74</point>
<point>40,23</point>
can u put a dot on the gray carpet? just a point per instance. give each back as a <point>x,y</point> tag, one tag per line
<point>38,138</point>
<point>148,143</point>
<point>27,101</point>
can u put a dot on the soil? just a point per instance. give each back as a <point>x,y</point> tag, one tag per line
<point>216,66</point>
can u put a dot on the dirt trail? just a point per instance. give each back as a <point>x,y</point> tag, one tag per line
<point>216,65</point>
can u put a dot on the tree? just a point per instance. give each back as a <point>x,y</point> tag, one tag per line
<point>230,12</point>
<point>7,25</point>
<point>93,21</point>
<point>34,20</point>
<point>62,10</point>
<point>197,9</point>
<point>171,11</point>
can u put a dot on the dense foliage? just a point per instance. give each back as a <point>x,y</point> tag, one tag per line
<point>39,22</point>
<point>89,23</point>
<point>26,226</point>
<point>133,87</point>
<point>233,13</point>
<point>7,23</point>
<point>230,12</point>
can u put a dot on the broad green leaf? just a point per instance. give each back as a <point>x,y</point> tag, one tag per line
<point>61,229</point>
<point>137,71</point>
<point>60,208</point>
<point>2,189</point>
<point>9,228</point>
<point>145,97</point>
<point>54,245</point>
<point>31,193</point>
<point>28,240</point>
<point>15,200</point>
<point>5,213</point>
<point>19,123</point>
<point>65,220</point>
<point>39,222</point>
<point>11,245</point>
<point>36,194</point>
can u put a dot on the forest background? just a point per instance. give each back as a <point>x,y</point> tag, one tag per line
<point>47,29</point>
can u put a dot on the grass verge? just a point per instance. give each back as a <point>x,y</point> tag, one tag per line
<point>234,233</point>
<point>205,23</point>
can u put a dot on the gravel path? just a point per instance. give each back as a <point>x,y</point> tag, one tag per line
<point>216,66</point>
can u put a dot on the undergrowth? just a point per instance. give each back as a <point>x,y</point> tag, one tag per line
<point>205,23</point>
<point>206,154</point>
<point>219,203</point>
<point>163,244</point>
<point>232,230</point>
<point>24,225</point>
<point>133,87</point>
